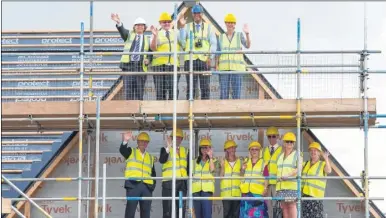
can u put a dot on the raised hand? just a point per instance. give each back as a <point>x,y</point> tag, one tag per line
<point>115,17</point>
<point>325,155</point>
<point>169,142</point>
<point>210,153</point>
<point>246,29</point>
<point>153,30</point>
<point>128,135</point>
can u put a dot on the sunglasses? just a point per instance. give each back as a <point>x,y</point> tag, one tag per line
<point>254,149</point>
<point>271,136</point>
<point>289,142</point>
<point>164,22</point>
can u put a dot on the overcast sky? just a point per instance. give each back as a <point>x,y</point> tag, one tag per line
<point>333,26</point>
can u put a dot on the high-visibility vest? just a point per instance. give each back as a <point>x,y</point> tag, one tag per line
<point>231,187</point>
<point>203,35</point>
<point>271,162</point>
<point>255,186</point>
<point>233,62</point>
<point>314,187</point>
<point>165,45</point>
<point>205,185</point>
<point>137,166</point>
<point>129,41</point>
<point>285,167</point>
<point>181,164</point>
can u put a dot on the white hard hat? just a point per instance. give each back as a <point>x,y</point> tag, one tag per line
<point>139,20</point>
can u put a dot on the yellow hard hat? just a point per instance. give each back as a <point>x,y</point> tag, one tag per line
<point>143,136</point>
<point>272,131</point>
<point>230,18</point>
<point>179,133</point>
<point>289,136</point>
<point>165,16</point>
<point>315,145</point>
<point>205,142</point>
<point>254,144</point>
<point>229,144</point>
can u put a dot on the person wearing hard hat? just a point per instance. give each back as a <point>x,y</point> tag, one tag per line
<point>139,163</point>
<point>253,187</point>
<point>287,166</point>
<point>270,156</point>
<point>163,41</point>
<point>232,41</point>
<point>314,187</point>
<point>204,39</point>
<point>230,167</point>
<point>203,182</point>
<point>135,41</point>
<point>182,170</point>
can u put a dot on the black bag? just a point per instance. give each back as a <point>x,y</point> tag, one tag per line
<point>277,212</point>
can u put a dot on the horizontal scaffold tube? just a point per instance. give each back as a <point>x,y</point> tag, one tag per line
<point>303,66</point>
<point>201,198</point>
<point>69,179</point>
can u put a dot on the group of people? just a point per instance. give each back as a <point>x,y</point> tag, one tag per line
<point>265,173</point>
<point>162,40</point>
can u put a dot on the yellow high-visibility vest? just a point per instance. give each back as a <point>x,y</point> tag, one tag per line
<point>255,186</point>
<point>231,187</point>
<point>285,167</point>
<point>167,168</point>
<point>165,45</point>
<point>271,161</point>
<point>129,41</point>
<point>205,185</point>
<point>137,166</point>
<point>233,62</point>
<point>314,187</point>
<point>203,35</point>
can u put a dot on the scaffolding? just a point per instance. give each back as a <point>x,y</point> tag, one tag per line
<point>299,117</point>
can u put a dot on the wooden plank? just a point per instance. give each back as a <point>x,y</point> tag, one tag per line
<point>31,191</point>
<point>27,209</point>
<point>114,93</point>
<point>12,171</point>
<point>5,205</point>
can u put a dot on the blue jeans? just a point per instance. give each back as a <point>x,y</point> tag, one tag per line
<point>203,208</point>
<point>230,79</point>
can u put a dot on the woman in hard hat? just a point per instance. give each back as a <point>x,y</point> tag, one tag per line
<point>135,41</point>
<point>287,166</point>
<point>232,41</point>
<point>314,187</point>
<point>163,41</point>
<point>204,167</point>
<point>253,167</point>
<point>230,167</point>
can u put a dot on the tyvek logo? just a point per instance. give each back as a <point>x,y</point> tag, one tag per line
<point>108,40</point>
<point>57,41</point>
<point>10,41</point>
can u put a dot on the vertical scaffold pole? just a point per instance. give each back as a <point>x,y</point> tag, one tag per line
<point>190,123</point>
<point>90,93</point>
<point>174,113</point>
<point>89,132</point>
<point>97,139</point>
<point>366,115</point>
<point>298,120</point>
<point>104,191</point>
<point>81,100</point>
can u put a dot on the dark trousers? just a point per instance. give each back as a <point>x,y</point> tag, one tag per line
<point>198,65</point>
<point>164,83</point>
<point>134,85</point>
<point>231,208</point>
<point>138,190</point>
<point>167,192</point>
<point>203,208</point>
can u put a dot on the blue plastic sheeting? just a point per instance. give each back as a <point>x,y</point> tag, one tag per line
<point>12,175</point>
<point>21,157</point>
<point>13,166</point>
<point>27,148</point>
<point>74,92</point>
<point>40,99</point>
<point>43,84</point>
<point>69,48</point>
<point>41,58</point>
<point>61,34</point>
<point>52,75</point>
<point>74,65</point>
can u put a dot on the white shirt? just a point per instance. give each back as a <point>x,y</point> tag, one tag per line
<point>232,163</point>
<point>275,146</point>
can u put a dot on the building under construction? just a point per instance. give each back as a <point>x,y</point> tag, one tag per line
<point>64,116</point>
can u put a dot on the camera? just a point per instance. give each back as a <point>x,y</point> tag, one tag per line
<point>198,43</point>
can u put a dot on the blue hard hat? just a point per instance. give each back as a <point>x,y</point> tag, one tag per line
<point>196,9</point>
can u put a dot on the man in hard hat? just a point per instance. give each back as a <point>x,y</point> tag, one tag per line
<point>230,167</point>
<point>139,163</point>
<point>204,39</point>
<point>182,170</point>
<point>163,41</point>
<point>135,41</point>
<point>204,168</point>
<point>270,156</point>
<point>232,41</point>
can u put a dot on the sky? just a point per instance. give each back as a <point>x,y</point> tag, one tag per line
<point>329,26</point>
